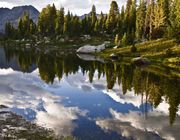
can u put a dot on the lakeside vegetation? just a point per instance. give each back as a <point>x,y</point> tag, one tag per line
<point>161,50</point>
<point>148,29</point>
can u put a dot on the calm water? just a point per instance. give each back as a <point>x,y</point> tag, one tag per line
<point>90,100</point>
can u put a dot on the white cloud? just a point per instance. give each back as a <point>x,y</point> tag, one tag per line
<point>76,6</point>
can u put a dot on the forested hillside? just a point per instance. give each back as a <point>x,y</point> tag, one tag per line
<point>134,22</point>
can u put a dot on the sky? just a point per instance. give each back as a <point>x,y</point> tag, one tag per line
<point>78,7</point>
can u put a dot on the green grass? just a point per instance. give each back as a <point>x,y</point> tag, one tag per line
<point>161,50</point>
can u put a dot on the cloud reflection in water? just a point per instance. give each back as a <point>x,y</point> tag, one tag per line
<point>27,91</point>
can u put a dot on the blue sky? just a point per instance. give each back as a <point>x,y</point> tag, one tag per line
<point>78,7</point>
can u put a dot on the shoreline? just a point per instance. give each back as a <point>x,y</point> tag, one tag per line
<point>164,51</point>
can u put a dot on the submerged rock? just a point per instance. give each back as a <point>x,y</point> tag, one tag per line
<point>91,49</point>
<point>140,61</point>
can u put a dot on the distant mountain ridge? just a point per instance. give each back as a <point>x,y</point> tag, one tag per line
<point>13,15</point>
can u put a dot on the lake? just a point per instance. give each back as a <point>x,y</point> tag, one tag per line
<point>87,98</point>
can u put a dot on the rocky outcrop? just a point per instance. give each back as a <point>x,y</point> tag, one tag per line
<point>91,49</point>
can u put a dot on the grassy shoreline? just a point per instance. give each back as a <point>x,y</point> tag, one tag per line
<point>162,51</point>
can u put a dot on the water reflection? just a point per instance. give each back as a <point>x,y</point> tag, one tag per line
<point>24,93</point>
<point>131,125</point>
<point>86,98</point>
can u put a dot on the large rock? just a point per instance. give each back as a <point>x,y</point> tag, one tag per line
<point>140,61</point>
<point>91,49</point>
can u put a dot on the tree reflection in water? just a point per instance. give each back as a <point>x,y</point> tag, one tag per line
<point>153,83</point>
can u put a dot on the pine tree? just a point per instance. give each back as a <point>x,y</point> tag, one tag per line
<point>119,27</point>
<point>123,26</point>
<point>112,17</point>
<point>133,19</point>
<point>93,17</point>
<point>159,17</point>
<point>20,27</point>
<point>32,28</point>
<point>175,19</point>
<point>47,21</point>
<point>140,20</point>
<point>60,21</point>
<point>26,26</point>
<point>127,16</point>
<point>104,24</point>
<point>67,24</point>
<point>158,20</point>
<point>100,23</point>
<point>166,10</point>
<point>42,22</point>
<point>52,20</point>
<point>75,26</point>
<point>108,25</point>
<point>149,20</point>
<point>86,25</point>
